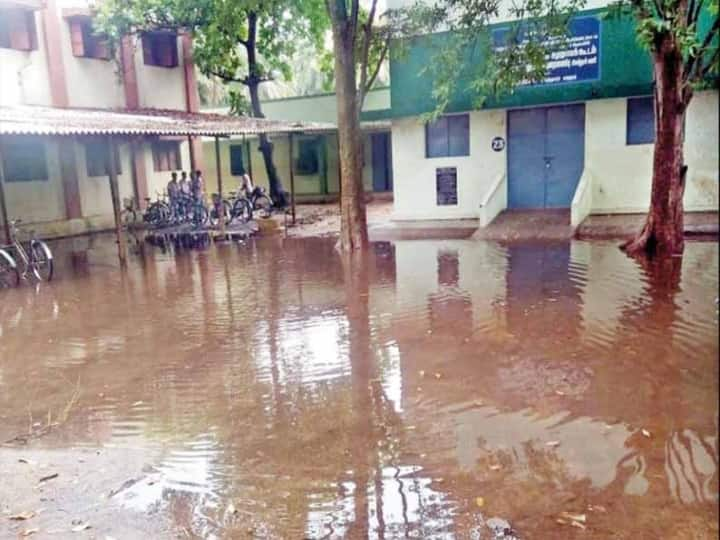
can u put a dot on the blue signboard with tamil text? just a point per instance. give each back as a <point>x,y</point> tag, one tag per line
<point>576,58</point>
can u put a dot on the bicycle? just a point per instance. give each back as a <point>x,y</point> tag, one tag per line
<point>260,201</point>
<point>158,212</point>
<point>36,258</point>
<point>9,273</point>
<point>233,208</point>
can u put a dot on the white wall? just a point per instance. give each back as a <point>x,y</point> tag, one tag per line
<point>23,74</point>
<point>414,174</point>
<point>160,87</point>
<point>41,200</point>
<point>95,190</point>
<point>622,173</point>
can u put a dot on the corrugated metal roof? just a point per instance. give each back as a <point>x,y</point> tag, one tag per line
<point>31,120</point>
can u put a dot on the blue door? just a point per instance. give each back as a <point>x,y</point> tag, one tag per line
<point>546,156</point>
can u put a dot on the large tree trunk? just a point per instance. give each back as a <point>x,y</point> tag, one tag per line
<point>663,230</point>
<point>253,83</point>
<point>353,221</point>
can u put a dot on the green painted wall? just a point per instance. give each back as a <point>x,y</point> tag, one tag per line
<point>625,70</point>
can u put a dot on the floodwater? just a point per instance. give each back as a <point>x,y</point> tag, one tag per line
<point>431,390</point>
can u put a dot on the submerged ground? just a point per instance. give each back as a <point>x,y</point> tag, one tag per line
<point>270,390</point>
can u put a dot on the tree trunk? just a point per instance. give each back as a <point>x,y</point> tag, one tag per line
<point>663,230</point>
<point>353,221</point>
<point>253,83</point>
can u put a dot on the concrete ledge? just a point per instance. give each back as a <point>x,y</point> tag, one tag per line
<point>614,226</point>
<point>450,229</point>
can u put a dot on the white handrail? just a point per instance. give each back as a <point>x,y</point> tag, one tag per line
<point>494,202</point>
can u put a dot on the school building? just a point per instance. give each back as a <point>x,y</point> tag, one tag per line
<point>49,56</point>
<point>314,155</point>
<point>582,140</point>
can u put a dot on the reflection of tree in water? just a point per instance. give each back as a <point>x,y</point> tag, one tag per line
<point>679,458</point>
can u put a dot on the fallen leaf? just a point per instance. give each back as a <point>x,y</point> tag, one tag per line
<point>422,372</point>
<point>48,477</point>
<point>577,524</point>
<point>646,433</point>
<point>22,516</point>
<point>29,532</point>
<point>552,444</point>
<point>231,509</point>
<point>137,403</point>
<point>438,375</point>
<point>23,460</point>
<point>480,502</point>
<point>561,521</point>
<point>559,392</point>
<point>81,527</point>
<point>598,508</point>
<point>495,467</point>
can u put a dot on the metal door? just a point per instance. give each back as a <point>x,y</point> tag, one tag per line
<point>546,156</point>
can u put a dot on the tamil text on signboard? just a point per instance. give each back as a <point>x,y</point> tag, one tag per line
<point>574,58</point>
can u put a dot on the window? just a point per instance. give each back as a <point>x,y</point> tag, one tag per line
<point>166,156</point>
<point>96,154</point>
<point>85,42</point>
<point>640,121</point>
<point>17,29</point>
<point>237,165</point>
<point>24,159</point>
<point>160,49</point>
<point>448,136</point>
<point>307,162</point>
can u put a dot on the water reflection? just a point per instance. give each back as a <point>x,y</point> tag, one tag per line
<point>379,397</point>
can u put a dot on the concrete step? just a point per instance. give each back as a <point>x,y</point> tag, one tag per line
<point>528,225</point>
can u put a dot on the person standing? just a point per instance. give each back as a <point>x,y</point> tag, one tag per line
<point>184,184</point>
<point>173,189</point>
<point>197,185</point>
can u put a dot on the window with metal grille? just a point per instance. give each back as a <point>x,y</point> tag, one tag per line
<point>85,42</point>
<point>23,159</point>
<point>307,161</point>
<point>17,29</point>
<point>160,49</point>
<point>166,156</point>
<point>237,163</point>
<point>640,121</point>
<point>96,159</point>
<point>448,136</point>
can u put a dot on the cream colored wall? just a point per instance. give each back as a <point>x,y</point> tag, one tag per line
<point>160,87</point>
<point>304,184</point>
<point>319,108</point>
<point>41,200</point>
<point>23,74</point>
<point>622,173</point>
<point>95,190</point>
<point>91,82</point>
<point>157,180</point>
<point>414,174</point>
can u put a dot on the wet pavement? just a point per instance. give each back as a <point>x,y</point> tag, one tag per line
<point>435,389</point>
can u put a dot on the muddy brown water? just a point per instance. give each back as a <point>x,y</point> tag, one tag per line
<point>274,390</point>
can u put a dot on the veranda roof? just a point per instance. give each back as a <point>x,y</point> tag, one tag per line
<point>35,120</point>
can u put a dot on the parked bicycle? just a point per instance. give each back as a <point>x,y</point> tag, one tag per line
<point>9,273</point>
<point>260,202</point>
<point>158,212</point>
<point>234,208</point>
<point>35,255</point>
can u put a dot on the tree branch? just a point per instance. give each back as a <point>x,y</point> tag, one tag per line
<point>365,55</point>
<point>376,71</point>
<point>694,66</point>
<point>225,77</point>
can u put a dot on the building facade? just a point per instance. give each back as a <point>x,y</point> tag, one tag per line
<point>314,155</point>
<point>50,56</point>
<point>581,140</point>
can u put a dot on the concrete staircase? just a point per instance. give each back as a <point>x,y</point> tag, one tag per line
<point>528,225</point>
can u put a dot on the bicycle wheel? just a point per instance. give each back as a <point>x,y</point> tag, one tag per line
<point>41,260</point>
<point>9,274</point>
<point>242,211</point>
<point>263,205</point>
<point>227,214</point>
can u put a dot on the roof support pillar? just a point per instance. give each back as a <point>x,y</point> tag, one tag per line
<point>115,195</point>
<point>3,204</point>
<point>221,207</point>
<point>292,176</point>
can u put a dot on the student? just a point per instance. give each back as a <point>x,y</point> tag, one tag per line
<point>173,188</point>
<point>247,185</point>
<point>184,184</point>
<point>197,185</point>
